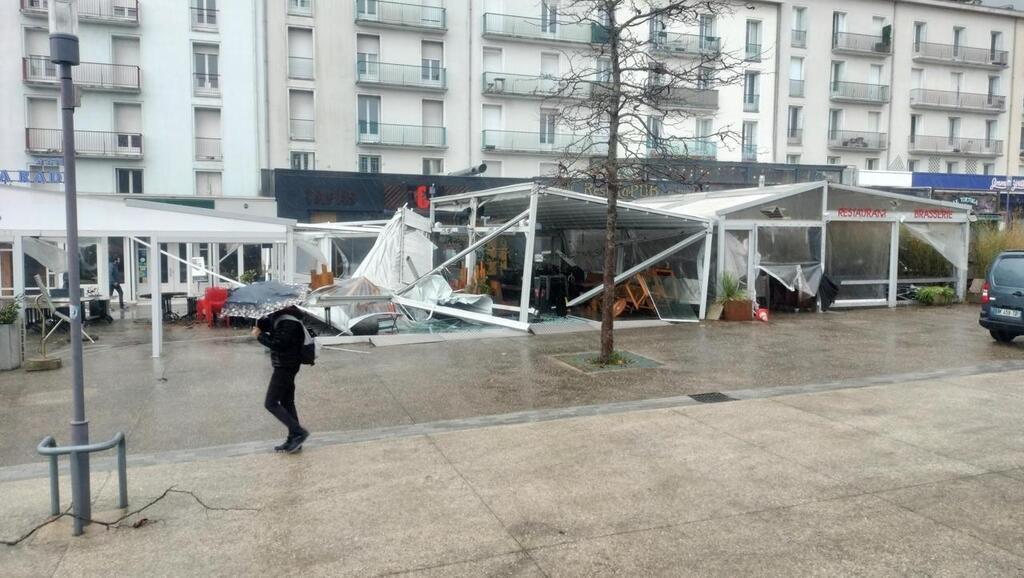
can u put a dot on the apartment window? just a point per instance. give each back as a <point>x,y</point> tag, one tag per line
<point>753,52</point>
<point>794,125</point>
<point>129,181</point>
<point>751,87</point>
<point>654,127</point>
<point>833,160</point>
<point>549,16</point>
<point>871,164</point>
<point>799,37</point>
<point>792,159</point>
<point>432,54</point>
<point>367,57</point>
<point>207,71</point>
<point>835,123</point>
<point>300,7</point>
<point>838,72</point>
<point>915,121</point>
<point>796,76</point>
<point>995,44</point>
<point>912,165</point>
<point>954,128</point>
<point>990,131</point>
<point>988,168</point>
<point>952,167</point>
<point>302,161</point>
<point>705,127</point>
<point>300,53</point>
<point>993,87</point>
<point>204,15</point>
<point>207,134</point>
<point>917,78</point>
<point>920,28</point>
<point>749,141</point>
<point>208,184</point>
<point>705,77</point>
<point>958,37</point>
<point>548,119</point>
<point>604,69</point>
<point>369,117</point>
<point>433,166</point>
<point>369,163</point>
<point>302,115</point>
<point>838,23</point>
<point>492,60</point>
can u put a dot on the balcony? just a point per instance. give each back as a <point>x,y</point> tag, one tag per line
<point>401,15</point>
<point>798,39</point>
<point>869,44</point>
<point>542,143</point>
<point>88,143</point>
<point>691,148</point>
<point>208,149</point>
<point>539,29</point>
<point>122,12</point>
<point>205,84</point>
<point>204,19</point>
<point>300,7</point>
<point>796,88</point>
<point>952,145</point>
<point>532,86</point>
<point>749,153</point>
<point>300,68</point>
<point>751,102</point>
<point>401,75</point>
<point>957,101</point>
<point>692,45</point>
<point>752,53</point>
<point>795,136</point>
<point>854,140</point>
<point>39,71</point>
<point>678,96</point>
<point>857,92</point>
<point>401,135</point>
<point>962,55</point>
<point>301,129</point>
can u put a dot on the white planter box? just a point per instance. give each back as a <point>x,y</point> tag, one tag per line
<point>10,346</point>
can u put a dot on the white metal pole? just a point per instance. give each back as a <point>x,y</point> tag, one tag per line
<point>531,238</point>
<point>188,269</point>
<point>156,314</point>
<point>471,258</point>
<point>18,256</point>
<point>704,280</point>
<point>103,266</point>
<point>894,258</point>
<point>289,258</point>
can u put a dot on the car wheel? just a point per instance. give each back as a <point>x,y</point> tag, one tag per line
<point>1002,336</point>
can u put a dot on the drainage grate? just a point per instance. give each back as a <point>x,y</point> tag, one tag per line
<point>712,397</point>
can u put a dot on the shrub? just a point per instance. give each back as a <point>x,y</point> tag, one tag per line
<point>989,241</point>
<point>9,311</point>
<point>936,295</point>
<point>729,289</point>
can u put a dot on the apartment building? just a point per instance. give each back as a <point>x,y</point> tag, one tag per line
<point>918,85</point>
<point>169,95</point>
<point>427,87</point>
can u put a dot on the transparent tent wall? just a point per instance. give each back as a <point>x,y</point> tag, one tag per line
<point>857,258</point>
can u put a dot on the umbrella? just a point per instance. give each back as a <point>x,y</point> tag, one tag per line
<point>262,298</point>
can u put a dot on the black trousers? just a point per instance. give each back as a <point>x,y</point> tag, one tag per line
<point>120,293</point>
<point>281,399</point>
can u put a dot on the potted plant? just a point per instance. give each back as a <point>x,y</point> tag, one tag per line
<point>10,335</point>
<point>936,295</point>
<point>736,303</point>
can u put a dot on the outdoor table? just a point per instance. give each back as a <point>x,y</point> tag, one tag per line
<point>90,313</point>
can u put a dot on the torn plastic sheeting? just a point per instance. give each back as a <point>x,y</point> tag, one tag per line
<point>434,290</point>
<point>804,278</point>
<point>47,254</point>
<point>396,255</point>
<point>308,256</point>
<point>946,238</point>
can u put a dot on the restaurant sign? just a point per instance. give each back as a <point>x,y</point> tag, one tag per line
<point>860,212</point>
<point>1006,184</point>
<point>35,177</point>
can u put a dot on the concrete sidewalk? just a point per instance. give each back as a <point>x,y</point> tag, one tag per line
<point>914,478</point>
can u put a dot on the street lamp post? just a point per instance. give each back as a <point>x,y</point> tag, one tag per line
<point>64,52</point>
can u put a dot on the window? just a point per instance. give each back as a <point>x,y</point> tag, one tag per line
<point>432,54</point>
<point>792,159</point>
<point>753,52</point>
<point>838,72</point>
<point>838,23</point>
<point>958,37</point>
<point>369,118</point>
<point>993,88</point>
<point>300,7</point>
<point>912,165</point>
<point>749,141</point>
<point>433,166</point>
<point>871,164</point>
<point>915,121</point>
<point>995,45</point>
<point>917,78</point>
<point>835,123</point>
<point>204,15</point>
<point>300,53</point>
<point>369,163</point>
<point>207,73</point>
<point>706,28</point>
<point>492,59</point>
<point>208,184</point>
<point>751,98</point>
<point>604,70</point>
<point>988,169</point>
<point>549,16</point>
<point>799,37</point>
<point>991,129</point>
<point>303,161</point>
<point>705,127</point>
<point>367,57</point>
<point>833,160</point>
<point>954,128</point>
<point>129,181</point>
<point>548,118</point>
<point>794,124</point>
<point>920,28</point>
<point>952,167</point>
<point>302,115</point>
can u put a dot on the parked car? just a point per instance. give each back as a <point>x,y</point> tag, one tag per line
<point>1002,297</point>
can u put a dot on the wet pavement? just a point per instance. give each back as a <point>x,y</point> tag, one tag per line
<point>208,388</point>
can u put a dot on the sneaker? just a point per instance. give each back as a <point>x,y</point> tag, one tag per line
<point>296,443</point>
<point>284,446</point>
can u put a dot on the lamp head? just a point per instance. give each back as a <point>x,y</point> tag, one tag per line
<point>63,15</point>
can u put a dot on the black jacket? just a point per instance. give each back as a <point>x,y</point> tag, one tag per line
<point>285,340</point>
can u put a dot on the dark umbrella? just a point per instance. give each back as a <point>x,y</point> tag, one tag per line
<point>260,299</point>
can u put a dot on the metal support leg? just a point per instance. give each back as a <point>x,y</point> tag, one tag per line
<point>54,487</point>
<point>122,474</point>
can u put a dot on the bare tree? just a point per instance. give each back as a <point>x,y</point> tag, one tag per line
<point>649,66</point>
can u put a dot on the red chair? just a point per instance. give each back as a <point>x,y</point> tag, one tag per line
<point>212,303</point>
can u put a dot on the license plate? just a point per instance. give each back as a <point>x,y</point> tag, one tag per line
<point>1015,313</point>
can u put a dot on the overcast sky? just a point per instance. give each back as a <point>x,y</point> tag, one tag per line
<point>1019,4</point>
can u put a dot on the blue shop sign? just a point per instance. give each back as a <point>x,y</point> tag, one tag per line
<point>992,183</point>
<point>19,176</point>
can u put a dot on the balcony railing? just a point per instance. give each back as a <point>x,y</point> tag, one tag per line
<point>952,145</point>
<point>751,102</point>
<point>687,44</point>
<point>88,143</point>
<point>796,87</point>
<point>378,12</point>
<point>509,26</point>
<point>861,44</point>
<point>300,67</point>
<point>532,86</point>
<point>685,97</point>
<point>107,11</point>
<point>39,70</point>
<point>301,129</point>
<point>694,148</point>
<point>401,135</point>
<point>401,75</point>
<point>204,19</point>
<point>749,152</point>
<point>300,7</point>
<point>952,100</point>
<point>542,143</point>
<point>984,57</point>
<point>752,52</point>
<point>208,149</point>
<point>794,136</point>
<point>859,92</point>
<point>205,84</point>
<point>858,140</point>
<point>798,39</point>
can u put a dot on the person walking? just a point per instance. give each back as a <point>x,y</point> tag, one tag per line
<point>285,336</point>
<point>115,280</point>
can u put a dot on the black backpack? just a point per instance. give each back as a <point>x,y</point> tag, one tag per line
<point>308,354</point>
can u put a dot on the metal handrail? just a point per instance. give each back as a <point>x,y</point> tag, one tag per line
<point>379,133</point>
<point>856,139</point>
<point>401,14</point>
<point>556,30</point>
<point>679,42</point>
<point>956,145</point>
<point>106,10</point>
<point>534,85</point>
<point>87,142</point>
<point>861,43</point>
<point>954,99</point>
<point>49,448</point>
<point>205,83</point>
<point>37,68</point>
<point>860,91</point>
<point>753,52</point>
<point>411,75</point>
<point>959,53</point>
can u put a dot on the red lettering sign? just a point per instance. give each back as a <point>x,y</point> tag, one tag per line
<point>861,212</point>
<point>933,213</point>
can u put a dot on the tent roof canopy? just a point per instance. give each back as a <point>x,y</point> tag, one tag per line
<point>31,212</point>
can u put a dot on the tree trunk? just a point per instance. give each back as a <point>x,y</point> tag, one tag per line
<point>612,190</point>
